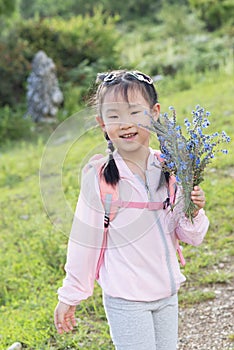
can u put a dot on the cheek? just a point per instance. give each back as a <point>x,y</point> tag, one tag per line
<point>111,129</point>
<point>144,132</point>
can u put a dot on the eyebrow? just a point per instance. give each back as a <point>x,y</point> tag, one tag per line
<point>130,106</point>
<point>136,105</point>
<point>112,110</point>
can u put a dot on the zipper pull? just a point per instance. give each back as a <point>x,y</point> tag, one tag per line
<point>147,190</point>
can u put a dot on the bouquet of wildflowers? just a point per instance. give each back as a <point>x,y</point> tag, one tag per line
<point>186,157</point>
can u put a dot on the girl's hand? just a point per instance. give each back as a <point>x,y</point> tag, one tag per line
<point>64,317</point>
<point>198,198</point>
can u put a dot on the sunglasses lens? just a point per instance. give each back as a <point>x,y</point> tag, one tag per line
<point>109,77</point>
<point>142,77</point>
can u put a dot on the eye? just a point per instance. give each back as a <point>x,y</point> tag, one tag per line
<point>136,112</point>
<point>113,116</point>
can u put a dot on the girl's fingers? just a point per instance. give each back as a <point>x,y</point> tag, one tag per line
<point>57,323</point>
<point>198,197</point>
<point>59,328</point>
<point>63,327</point>
<point>69,323</point>
<point>66,326</point>
<point>60,325</point>
<point>65,320</point>
<point>60,322</point>
<point>73,320</point>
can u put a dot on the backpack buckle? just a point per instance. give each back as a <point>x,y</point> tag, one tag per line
<point>106,220</point>
<point>166,203</point>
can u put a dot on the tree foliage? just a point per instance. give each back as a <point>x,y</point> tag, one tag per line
<point>7,7</point>
<point>214,13</point>
<point>127,10</point>
<point>72,44</point>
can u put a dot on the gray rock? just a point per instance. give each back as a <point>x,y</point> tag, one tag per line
<point>43,93</point>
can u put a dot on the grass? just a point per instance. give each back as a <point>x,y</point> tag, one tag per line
<point>32,250</point>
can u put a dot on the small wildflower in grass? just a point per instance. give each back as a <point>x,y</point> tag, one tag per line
<point>186,157</point>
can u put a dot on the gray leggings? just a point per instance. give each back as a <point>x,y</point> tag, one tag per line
<point>136,325</point>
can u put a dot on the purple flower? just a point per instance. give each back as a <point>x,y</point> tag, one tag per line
<point>199,131</point>
<point>186,156</point>
<point>183,165</point>
<point>207,147</point>
<point>181,145</point>
<point>171,165</point>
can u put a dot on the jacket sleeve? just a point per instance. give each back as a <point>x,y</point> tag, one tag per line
<point>84,244</point>
<point>189,232</point>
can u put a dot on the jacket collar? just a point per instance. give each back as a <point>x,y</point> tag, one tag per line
<point>153,170</point>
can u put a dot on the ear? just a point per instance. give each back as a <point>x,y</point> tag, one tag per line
<point>101,123</point>
<point>156,111</point>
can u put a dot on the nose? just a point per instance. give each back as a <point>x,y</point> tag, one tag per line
<point>125,126</point>
<point>126,123</point>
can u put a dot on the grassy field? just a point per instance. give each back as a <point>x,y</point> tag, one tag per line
<point>32,250</point>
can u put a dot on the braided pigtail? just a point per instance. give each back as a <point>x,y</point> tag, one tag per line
<point>110,170</point>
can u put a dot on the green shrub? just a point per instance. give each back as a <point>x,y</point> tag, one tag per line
<point>73,44</point>
<point>7,7</point>
<point>14,67</point>
<point>214,13</point>
<point>13,125</point>
<point>155,50</point>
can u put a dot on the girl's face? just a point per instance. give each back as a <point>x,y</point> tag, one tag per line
<point>121,120</point>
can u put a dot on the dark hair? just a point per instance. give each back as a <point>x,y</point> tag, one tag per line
<point>121,82</point>
<point>110,170</point>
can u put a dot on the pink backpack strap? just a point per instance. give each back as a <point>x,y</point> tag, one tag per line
<point>109,197</point>
<point>101,256</point>
<point>140,205</point>
<point>109,194</point>
<point>111,202</point>
<point>180,254</point>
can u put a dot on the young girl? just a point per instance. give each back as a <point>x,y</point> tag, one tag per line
<point>140,273</point>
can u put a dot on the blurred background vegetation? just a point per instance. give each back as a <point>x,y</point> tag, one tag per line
<point>177,41</point>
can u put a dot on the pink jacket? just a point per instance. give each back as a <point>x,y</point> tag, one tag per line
<point>140,262</point>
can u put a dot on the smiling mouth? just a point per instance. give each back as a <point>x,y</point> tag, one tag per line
<point>128,136</point>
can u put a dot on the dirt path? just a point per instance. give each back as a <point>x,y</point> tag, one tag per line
<point>209,325</point>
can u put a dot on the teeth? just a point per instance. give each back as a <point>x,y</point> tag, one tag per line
<point>128,135</point>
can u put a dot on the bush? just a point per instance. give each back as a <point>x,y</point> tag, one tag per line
<point>14,67</point>
<point>72,44</point>
<point>214,13</point>
<point>155,50</point>
<point>13,125</point>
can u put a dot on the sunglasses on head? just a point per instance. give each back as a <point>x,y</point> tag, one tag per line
<point>137,75</point>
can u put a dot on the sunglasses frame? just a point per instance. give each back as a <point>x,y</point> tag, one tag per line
<point>139,76</point>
